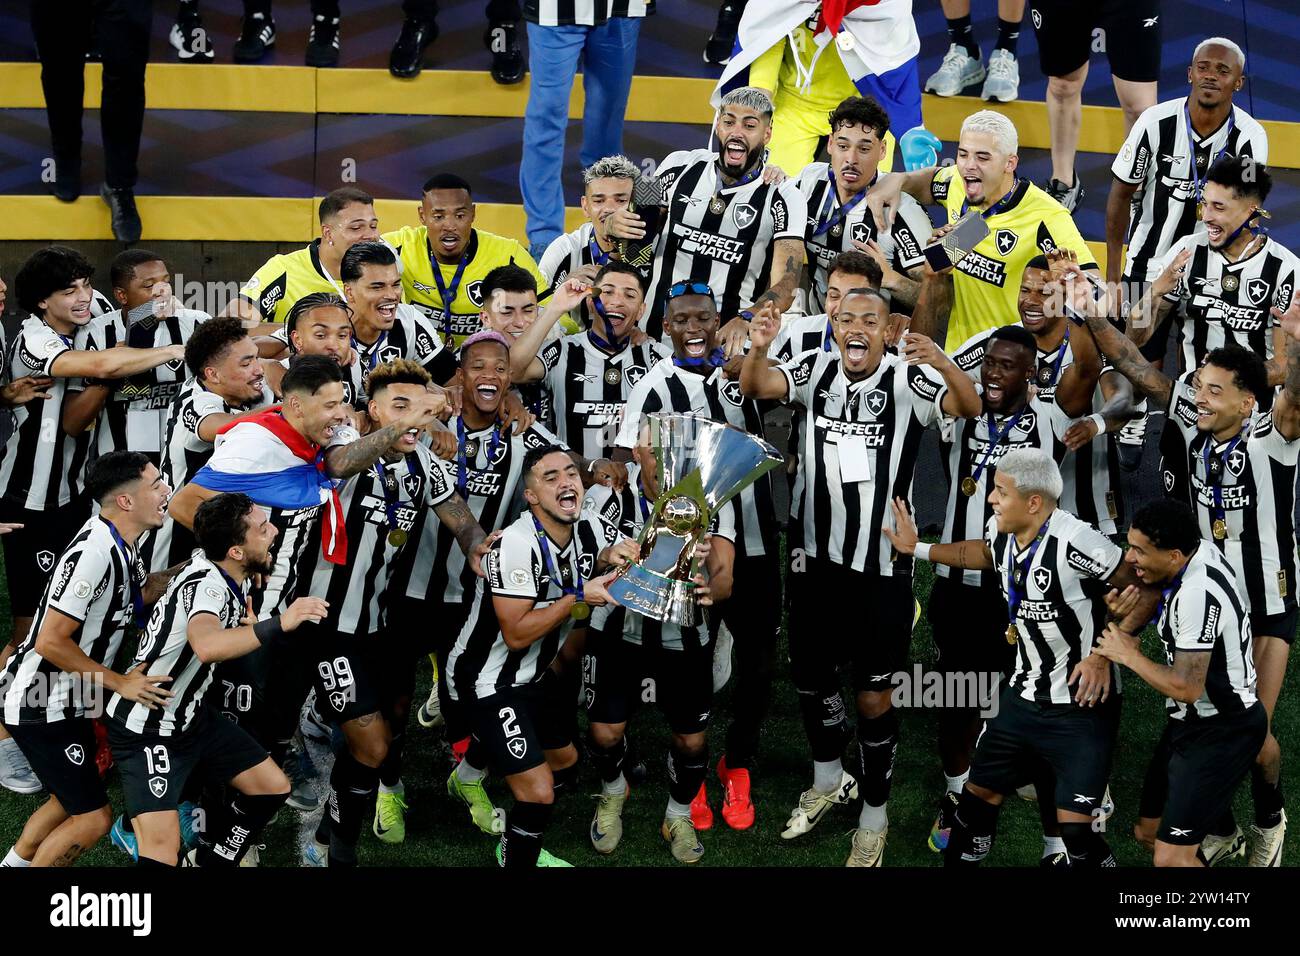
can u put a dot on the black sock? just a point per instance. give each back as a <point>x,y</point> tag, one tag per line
<point>608,761</point>
<point>973,827</point>
<point>521,844</point>
<point>352,788</point>
<point>562,781</point>
<point>1044,781</point>
<point>960,33</point>
<point>877,744</point>
<point>1086,847</point>
<point>1267,797</point>
<point>144,862</point>
<point>686,772</point>
<point>825,722</point>
<point>1008,35</point>
<point>476,754</point>
<point>243,821</point>
<point>1226,825</point>
<point>390,771</point>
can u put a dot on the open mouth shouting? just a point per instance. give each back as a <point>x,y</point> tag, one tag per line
<point>696,345</point>
<point>993,394</point>
<point>856,350</point>
<point>568,503</point>
<point>449,242</point>
<point>1032,317</point>
<point>736,153</point>
<point>1215,233</point>
<point>487,393</point>
<point>974,188</point>
<point>387,312</point>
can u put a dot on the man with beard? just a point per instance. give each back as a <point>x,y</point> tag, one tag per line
<point>445,259</point>
<point>725,226</point>
<point>590,374</point>
<point>1091,472</point>
<point>205,617</point>
<point>1055,571</point>
<point>363,674</point>
<point>692,382</point>
<point>867,410</point>
<point>540,583</point>
<point>434,577</point>
<point>837,218</point>
<point>50,683</point>
<point>1216,722</point>
<point>1241,470</point>
<point>1023,221</point>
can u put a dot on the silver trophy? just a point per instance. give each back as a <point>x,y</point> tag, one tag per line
<point>700,466</point>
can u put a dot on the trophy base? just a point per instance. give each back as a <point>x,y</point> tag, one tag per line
<point>656,596</point>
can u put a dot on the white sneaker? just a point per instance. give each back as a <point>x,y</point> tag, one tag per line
<point>315,854</point>
<point>1268,844</point>
<point>1106,809</point>
<point>312,725</point>
<point>958,71</point>
<point>1003,80</point>
<point>1216,849</point>
<point>15,772</point>
<point>430,713</point>
<point>868,847</point>
<point>253,857</point>
<point>813,805</point>
<point>722,658</point>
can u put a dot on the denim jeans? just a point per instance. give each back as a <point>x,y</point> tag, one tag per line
<point>608,57</point>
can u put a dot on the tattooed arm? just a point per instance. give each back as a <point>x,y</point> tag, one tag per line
<point>456,517</point>
<point>1128,360</point>
<point>344,461</point>
<point>787,269</point>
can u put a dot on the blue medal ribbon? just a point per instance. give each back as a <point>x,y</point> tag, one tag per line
<point>462,465</point>
<point>360,347</point>
<point>995,437</point>
<point>233,587</point>
<point>1214,476</point>
<point>1060,357</point>
<point>551,566</point>
<point>388,485</point>
<point>1198,181</point>
<point>447,292</point>
<point>714,359</point>
<point>998,206</point>
<point>1016,573</point>
<point>598,255</point>
<point>139,613</point>
<point>837,216</point>
<point>614,345</point>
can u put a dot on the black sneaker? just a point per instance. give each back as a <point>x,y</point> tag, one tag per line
<point>323,42</point>
<point>507,59</point>
<point>188,36</point>
<point>407,57</point>
<point>256,36</point>
<point>121,208</point>
<point>718,50</point>
<point>1067,196</point>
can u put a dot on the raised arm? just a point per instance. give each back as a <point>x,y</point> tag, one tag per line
<point>1146,315</point>
<point>967,555</point>
<point>962,400</point>
<point>525,366</point>
<point>344,461</point>
<point>1079,382</point>
<point>758,377</point>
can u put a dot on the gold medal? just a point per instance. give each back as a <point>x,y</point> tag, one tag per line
<point>1220,529</point>
<point>717,205</point>
<point>837,230</point>
<point>1200,211</point>
<point>397,537</point>
<point>1230,283</point>
<point>580,611</point>
<point>969,486</point>
<point>613,376</point>
<point>1012,634</point>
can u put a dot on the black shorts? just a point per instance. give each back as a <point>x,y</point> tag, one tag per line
<point>1276,625</point>
<point>618,676</point>
<point>1064,29</point>
<point>969,628</point>
<point>518,725</point>
<point>1207,760</point>
<point>355,675</point>
<point>819,643</point>
<point>62,755</point>
<point>31,552</point>
<point>155,770</point>
<point>1076,742</point>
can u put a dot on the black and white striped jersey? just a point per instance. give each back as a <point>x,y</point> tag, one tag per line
<point>411,337</point>
<point>626,511</point>
<point>492,469</point>
<point>1092,485</point>
<point>1063,610</point>
<point>859,447</point>
<point>589,388</point>
<point>135,415</point>
<point>1206,613</point>
<point>43,466</point>
<point>1155,156</point>
<point>668,388</point>
<point>92,584</point>
<point>572,251</point>
<point>1228,303</point>
<point>902,246</point>
<point>803,334</point>
<point>720,235</point>
<point>1257,482</point>
<point>1041,425</point>
<point>165,649</point>
<point>589,13</point>
<point>184,453</point>
<point>358,592</point>
<point>481,664</point>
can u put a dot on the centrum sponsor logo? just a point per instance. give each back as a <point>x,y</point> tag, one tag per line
<point>973,690</point>
<point>75,909</point>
